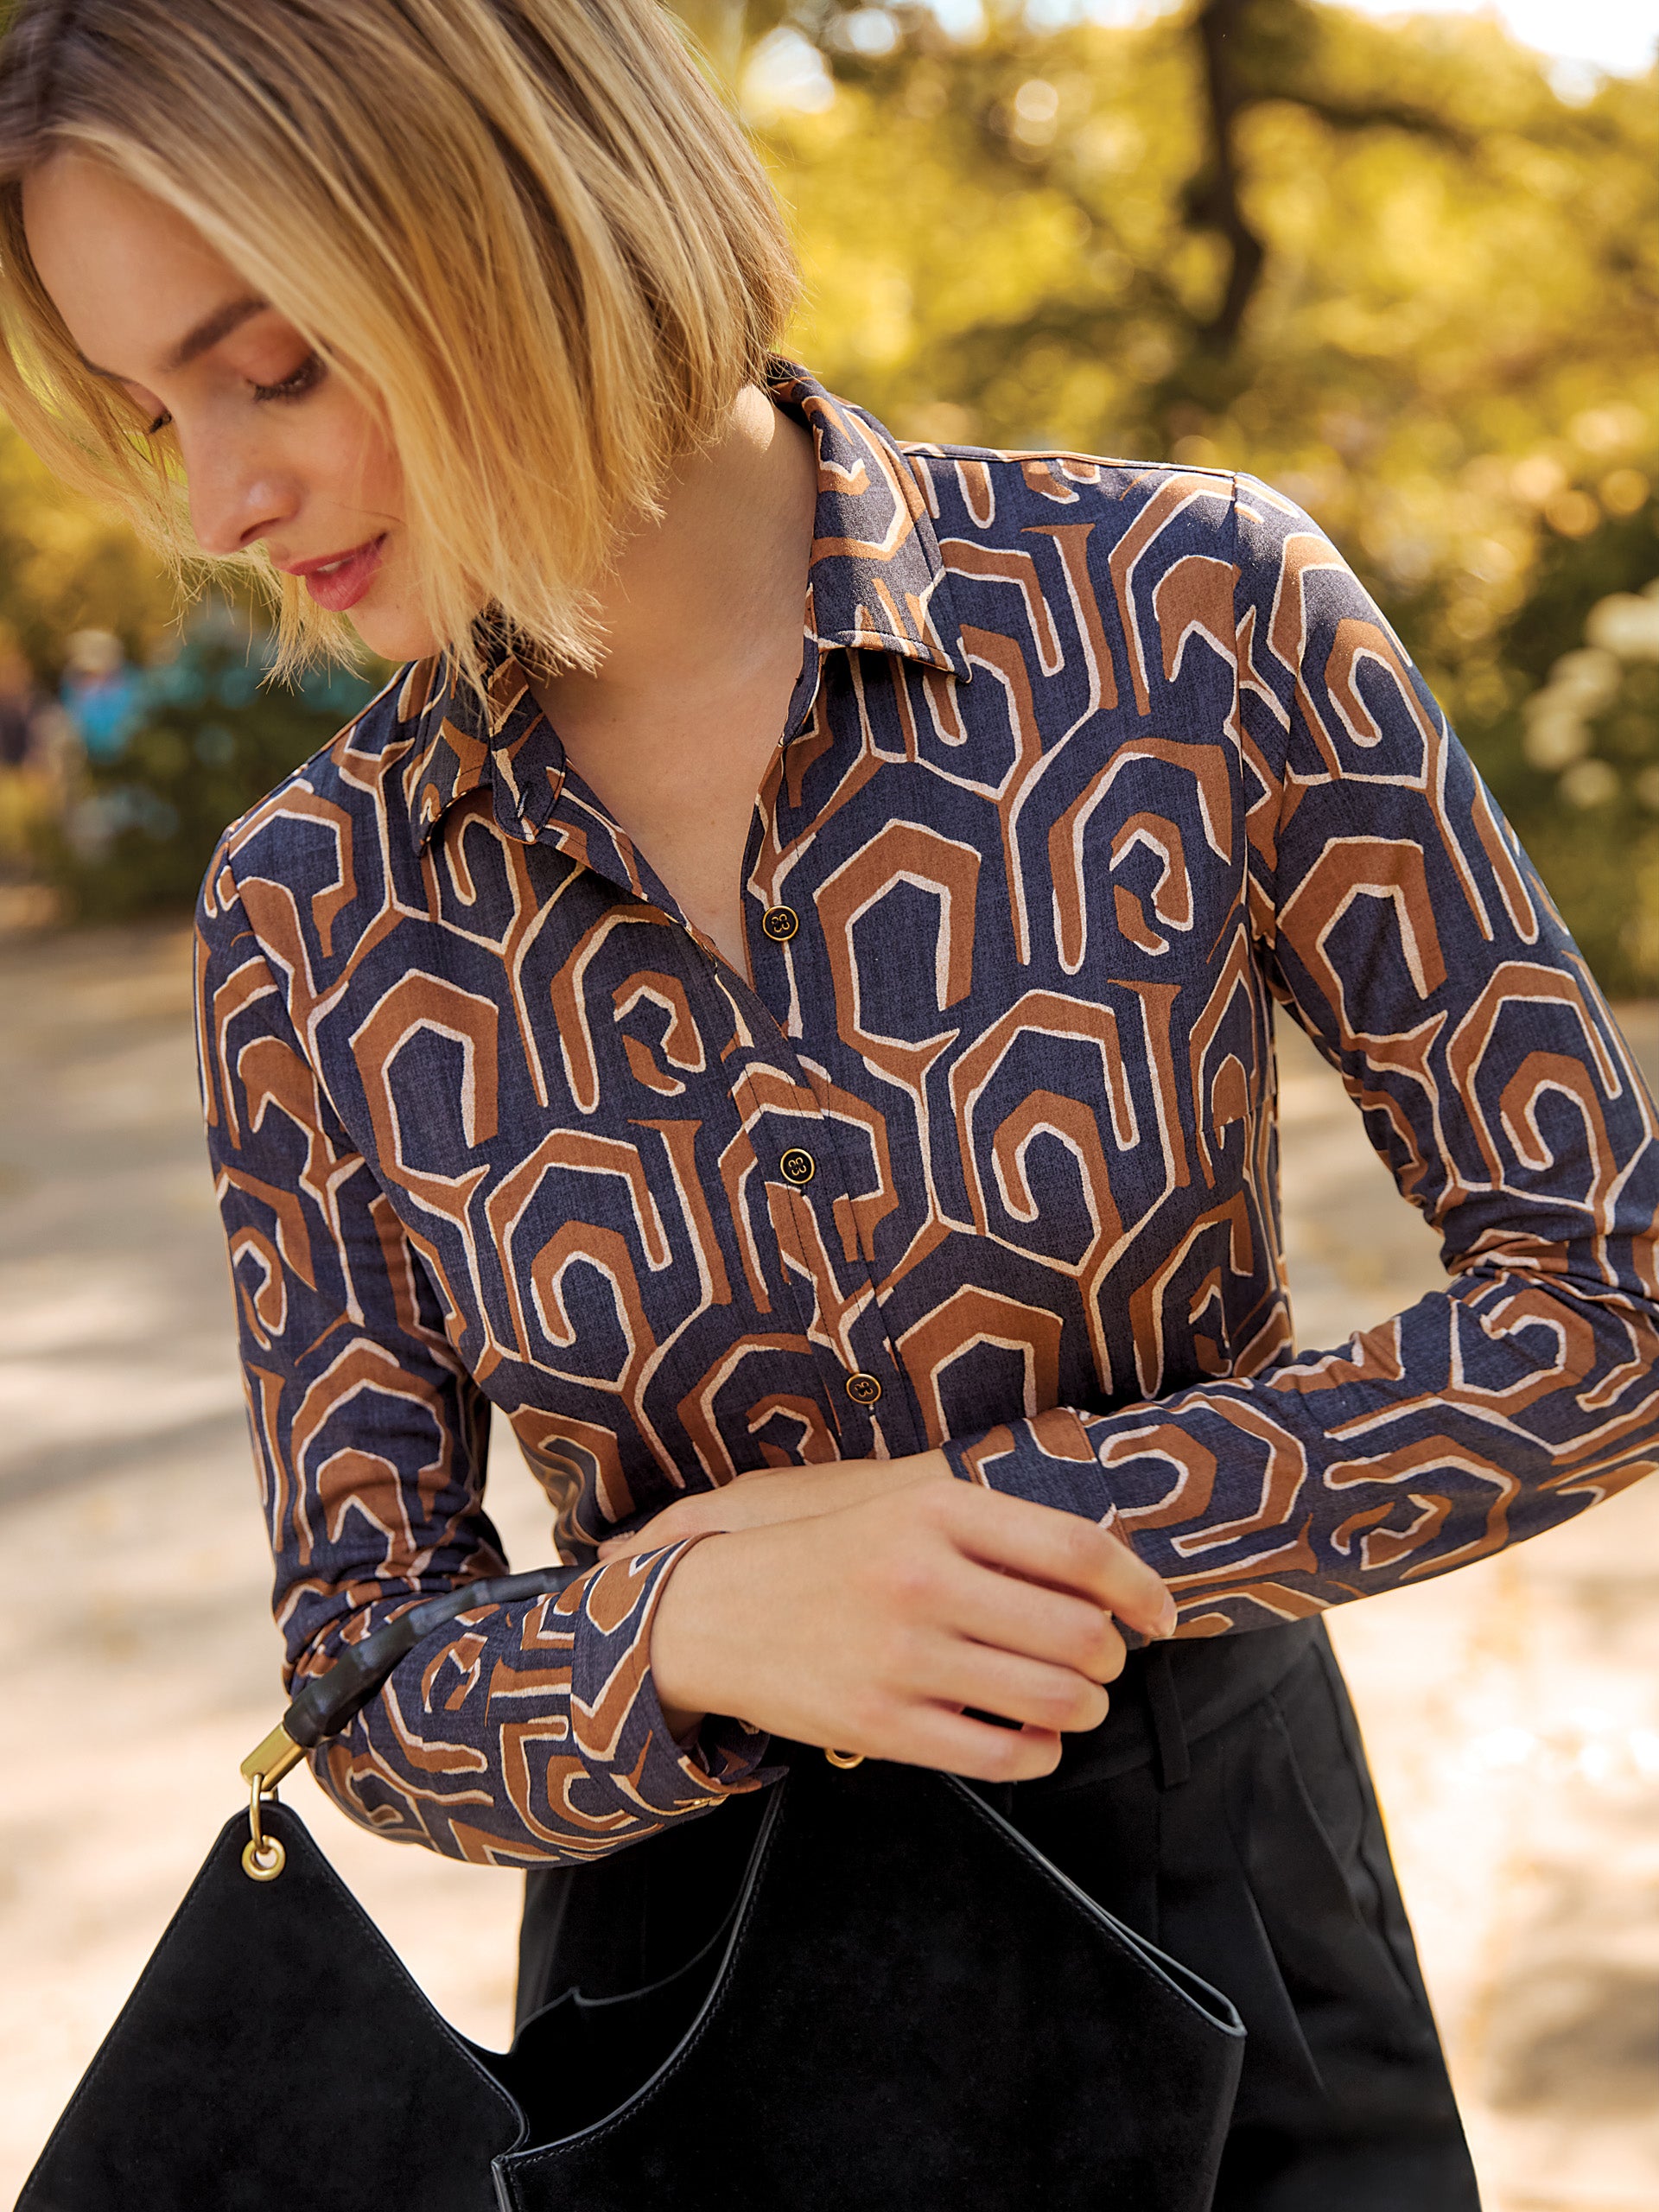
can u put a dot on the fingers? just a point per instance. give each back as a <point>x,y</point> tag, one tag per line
<point>1042,1545</point>
<point>767,1495</point>
<point>940,1737</point>
<point>1050,1625</point>
<point>706,1513</point>
<point>687,1517</point>
<point>887,1627</point>
<point>1054,1700</point>
<point>955,1744</point>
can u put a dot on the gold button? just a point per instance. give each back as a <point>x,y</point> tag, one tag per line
<point>863,1389</point>
<point>780,924</point>
<point>799,1167</point>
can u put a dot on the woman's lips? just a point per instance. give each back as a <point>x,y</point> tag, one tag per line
<point>340,581</point>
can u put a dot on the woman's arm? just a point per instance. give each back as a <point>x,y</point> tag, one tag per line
<point>1394,917</point>
<point>521,1732</point>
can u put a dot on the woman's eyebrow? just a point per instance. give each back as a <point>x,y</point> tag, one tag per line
<point>209,331</point>
<point>206,335</point>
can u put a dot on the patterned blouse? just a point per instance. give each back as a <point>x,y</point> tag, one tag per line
<point>1088,764</point>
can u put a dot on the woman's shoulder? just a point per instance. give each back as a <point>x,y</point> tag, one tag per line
<point>303,833</point>
<point>996,496</point>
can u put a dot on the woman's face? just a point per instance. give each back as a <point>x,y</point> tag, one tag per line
<point>275,448</point>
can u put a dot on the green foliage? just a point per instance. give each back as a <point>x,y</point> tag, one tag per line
<point>213,739</point>
<point>64,566</point>
<point>1576,757</point>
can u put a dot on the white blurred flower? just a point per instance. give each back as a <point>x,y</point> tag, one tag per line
<point>1589,676</point>
<point>1502,1747</point>
<point>1590,783</point>
<point>1621,630</point>
<point>1036,105</point>
<point>1538,478</point>
<point>1626,626</point>
<point>869,30</point>
<point>1584,1746</point>
<point>1556,732</point>
<point>786,74</point>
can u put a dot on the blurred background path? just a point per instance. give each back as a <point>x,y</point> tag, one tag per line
<point>1511,1710</point>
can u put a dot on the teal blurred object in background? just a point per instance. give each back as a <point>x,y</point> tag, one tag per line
<point>102,695</point>
<point>201,736</point>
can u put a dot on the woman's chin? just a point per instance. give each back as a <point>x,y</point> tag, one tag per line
<point>396,634</point>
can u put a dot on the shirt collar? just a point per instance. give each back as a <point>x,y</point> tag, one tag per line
<point>876,580</point>
<point>876,577</point>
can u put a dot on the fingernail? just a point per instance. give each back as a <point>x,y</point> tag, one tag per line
<point>1168,1619</point>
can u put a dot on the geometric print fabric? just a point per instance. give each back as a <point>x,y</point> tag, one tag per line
<point>1091,765</point>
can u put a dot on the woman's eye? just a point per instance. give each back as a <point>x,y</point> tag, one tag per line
<point>152,418</point>
<point>305,379</point>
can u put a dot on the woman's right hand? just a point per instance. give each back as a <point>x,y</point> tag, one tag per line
<point>881,1627</point>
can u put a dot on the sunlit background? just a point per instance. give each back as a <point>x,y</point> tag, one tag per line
<point>1404,266</point>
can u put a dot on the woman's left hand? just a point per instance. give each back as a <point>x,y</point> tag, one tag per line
<point>756,1500</point>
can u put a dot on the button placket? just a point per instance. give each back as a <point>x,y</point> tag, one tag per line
<point>853,1389</point>
<point>816,1177</point>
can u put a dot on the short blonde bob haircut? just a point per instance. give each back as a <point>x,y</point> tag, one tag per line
<point>528,231</point>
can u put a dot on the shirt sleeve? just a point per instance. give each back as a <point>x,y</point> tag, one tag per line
<point>519,1733</point>
<point>1397,920</point>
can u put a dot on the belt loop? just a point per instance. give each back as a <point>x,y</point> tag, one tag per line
<point>1164,1712</point>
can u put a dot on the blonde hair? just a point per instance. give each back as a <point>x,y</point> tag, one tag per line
<point>527,230</point>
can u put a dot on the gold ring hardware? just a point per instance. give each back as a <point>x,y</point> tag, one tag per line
<point>263,1856</point>
<point>845,1760</point>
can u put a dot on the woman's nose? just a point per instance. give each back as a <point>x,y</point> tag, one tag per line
<point>233,504</point>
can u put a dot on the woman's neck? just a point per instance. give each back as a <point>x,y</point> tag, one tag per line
<point>734,535</point>
<point>702,619</point>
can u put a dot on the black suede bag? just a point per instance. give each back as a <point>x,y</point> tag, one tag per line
<point>906,2007</point>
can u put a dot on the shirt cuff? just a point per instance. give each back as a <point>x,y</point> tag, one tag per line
<point>1046,1458</point>
<point>617,1723</point>
<point>1049,1458</point>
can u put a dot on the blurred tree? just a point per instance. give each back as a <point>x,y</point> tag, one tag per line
<point>64,566</point>
<point>727,30</point>
<point>1573,757</point>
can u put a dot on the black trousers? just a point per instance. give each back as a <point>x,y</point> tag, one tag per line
<point>1224,1810</point>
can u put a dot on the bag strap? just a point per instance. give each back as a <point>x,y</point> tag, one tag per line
<point>329,1701</point>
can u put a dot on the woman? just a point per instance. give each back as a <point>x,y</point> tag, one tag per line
<point>859,1197</point>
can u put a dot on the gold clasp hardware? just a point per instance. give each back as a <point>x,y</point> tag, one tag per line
<point>272,1759</point>
<point>845,1760</point>
<point>263,1856</point>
